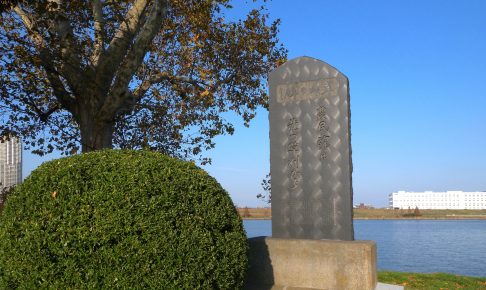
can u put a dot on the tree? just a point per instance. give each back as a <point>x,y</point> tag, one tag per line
<point>416,211</point>
<point>87,75</point>
<point>246,212</point>
<point>266,184</point>
<point>7,4</point>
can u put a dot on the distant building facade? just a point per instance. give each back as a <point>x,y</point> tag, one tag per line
<point>10,162</point>
<point>363,206</point>
<point>438,200</point>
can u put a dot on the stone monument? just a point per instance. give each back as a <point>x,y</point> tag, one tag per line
<point>312,244</point>
<point>310,151</point>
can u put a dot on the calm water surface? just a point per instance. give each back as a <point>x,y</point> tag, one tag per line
<point>451,246</point>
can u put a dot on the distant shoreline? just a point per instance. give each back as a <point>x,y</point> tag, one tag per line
<point>382,214</point>
<point>424,218</point>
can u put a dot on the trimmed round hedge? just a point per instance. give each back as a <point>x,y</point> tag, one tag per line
<point>121,219</point>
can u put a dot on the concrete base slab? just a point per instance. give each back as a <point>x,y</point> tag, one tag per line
<point>383,286</point>
<point>379,286</point>
<point>300,264</point>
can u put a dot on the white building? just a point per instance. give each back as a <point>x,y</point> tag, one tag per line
<point>438,200</point>
<point>10,162</point>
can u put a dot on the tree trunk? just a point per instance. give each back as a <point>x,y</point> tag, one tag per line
<point>95,134</point>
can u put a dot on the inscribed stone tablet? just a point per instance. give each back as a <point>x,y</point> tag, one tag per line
<point>310,151</point>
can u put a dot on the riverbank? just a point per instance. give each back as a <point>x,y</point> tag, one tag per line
<point>382,214</point>
<point>419,214</point>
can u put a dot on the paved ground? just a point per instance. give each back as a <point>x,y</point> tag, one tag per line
<point>383,286</point>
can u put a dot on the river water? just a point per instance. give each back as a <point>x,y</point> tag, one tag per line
<point>424,246</point>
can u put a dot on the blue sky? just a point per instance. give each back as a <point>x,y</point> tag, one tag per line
<point>417,72</point>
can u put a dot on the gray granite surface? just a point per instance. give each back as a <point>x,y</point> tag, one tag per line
<point>310,151</point>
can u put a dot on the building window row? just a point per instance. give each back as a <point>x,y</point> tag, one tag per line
<point>442,200</point>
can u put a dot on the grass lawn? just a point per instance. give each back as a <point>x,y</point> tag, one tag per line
<point>434,281</point>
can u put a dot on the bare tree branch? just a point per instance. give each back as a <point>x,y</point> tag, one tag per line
<point>120,93</point>
<point>38,112</point>
<point>98,27</point>
<point>60,92</point>
<point>71,66</point>
<point>34,35</point>
<point>164,76</point>
<point>46,59</point>
<point>108,62</point>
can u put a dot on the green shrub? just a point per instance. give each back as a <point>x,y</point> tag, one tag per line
<point>121,219</point>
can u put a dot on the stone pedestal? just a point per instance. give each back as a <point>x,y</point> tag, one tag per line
<point>298,264</point>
